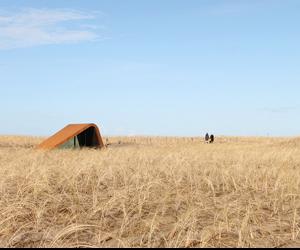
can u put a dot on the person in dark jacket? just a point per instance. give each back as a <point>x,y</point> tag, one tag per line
<point>212,139</point>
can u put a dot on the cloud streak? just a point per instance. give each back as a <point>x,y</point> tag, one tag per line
<point>36,27</point>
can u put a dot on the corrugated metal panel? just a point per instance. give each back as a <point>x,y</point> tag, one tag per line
<point>67,133</point>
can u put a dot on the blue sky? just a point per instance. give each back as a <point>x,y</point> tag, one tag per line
<point>135,67</point>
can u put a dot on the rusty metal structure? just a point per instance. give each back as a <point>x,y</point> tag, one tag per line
<point>75,136</point>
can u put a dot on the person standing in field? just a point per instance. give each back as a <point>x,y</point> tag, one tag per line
<point>207,138</point>
<point>212,139</point>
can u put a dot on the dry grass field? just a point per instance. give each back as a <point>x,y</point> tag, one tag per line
<point>151,192</point>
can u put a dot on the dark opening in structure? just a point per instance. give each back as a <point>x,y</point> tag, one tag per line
<point>88,138</point>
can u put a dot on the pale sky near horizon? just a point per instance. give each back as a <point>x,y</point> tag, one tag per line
<point>169,68</point>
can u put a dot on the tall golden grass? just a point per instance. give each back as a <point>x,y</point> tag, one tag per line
<point>151,192</point>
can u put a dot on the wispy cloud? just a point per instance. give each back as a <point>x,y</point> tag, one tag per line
<point>34,27</point>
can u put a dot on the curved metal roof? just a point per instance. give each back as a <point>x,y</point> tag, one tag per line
<point>67,133</point>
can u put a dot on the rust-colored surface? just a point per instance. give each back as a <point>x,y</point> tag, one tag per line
<point>67,133</point>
